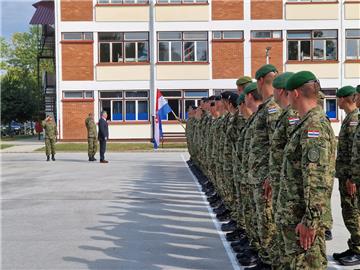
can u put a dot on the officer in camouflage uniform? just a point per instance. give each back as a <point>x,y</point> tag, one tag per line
<point>348,172</point>
<point>259,152</point>
<point>50,137</point>
<point>309,159</point>
<point>284,126</point>
<point>252,101</point>
<point>92,136</point>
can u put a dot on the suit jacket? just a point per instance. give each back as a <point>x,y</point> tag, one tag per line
<point>103,130</point>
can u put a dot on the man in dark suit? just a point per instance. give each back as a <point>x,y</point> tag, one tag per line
<point>103,136</point>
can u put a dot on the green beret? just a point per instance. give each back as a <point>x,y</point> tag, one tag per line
<point>280,81</point>
<point>264,70</point>
<point>240,99</point>
<point>299,79</point>
<point>250,87</point>
<point>358,88</point>
<point>346,91</point>
<point>243,80</point>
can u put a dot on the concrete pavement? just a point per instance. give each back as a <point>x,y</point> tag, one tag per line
<point>140,211</point>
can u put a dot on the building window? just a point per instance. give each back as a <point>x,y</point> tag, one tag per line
<point>330,103</point>
<point>77,36</point>
<point>224,35</point>
<point>123,1</point>
<point>182,46</point>
<point>312,45</point>
<point>115,47</point>
<point>181,1</point>
<point>353,44</point>
<point>125,105</point>
<point>181,100</point>
<point>78,94</point>
<point>266,34</point>
<point>311,1</point>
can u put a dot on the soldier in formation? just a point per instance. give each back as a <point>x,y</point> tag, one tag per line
<point>50,129</point>
<point>266,158</point>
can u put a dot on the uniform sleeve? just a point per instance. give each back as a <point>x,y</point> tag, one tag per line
<point>355,158</point>
<point>315,166</point>
<point>43,124</point>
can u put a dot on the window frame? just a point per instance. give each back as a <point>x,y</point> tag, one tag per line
<point>83,95</point>
<point>183,41</point>
<point>312,40</point>
<point>252,37</point>
<point>222,33</point>
<point>83,36</point>
<point>123,2</point>
<point>331,97</point>
<point>124,100</point>
<point>357,39</point>
<point>122,40</point>
<point>182,2</point>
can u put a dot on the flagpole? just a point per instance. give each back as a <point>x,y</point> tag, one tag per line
<point>177,118</point>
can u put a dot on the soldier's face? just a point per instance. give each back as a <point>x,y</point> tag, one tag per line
<point>357,100</point>
<point>341,102</point>
<point>240,89</point>
<point>277,95</point>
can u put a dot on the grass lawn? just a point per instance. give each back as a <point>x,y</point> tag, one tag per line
<point>114,147</point>
<point>4,146</point>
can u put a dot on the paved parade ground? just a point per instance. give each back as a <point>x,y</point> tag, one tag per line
<point>140,211</point>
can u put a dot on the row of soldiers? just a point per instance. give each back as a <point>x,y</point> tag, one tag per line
<point>266,159</point>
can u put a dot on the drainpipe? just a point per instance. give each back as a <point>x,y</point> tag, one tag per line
<point>152,46</point>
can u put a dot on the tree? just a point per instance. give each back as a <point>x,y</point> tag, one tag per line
<point>20,95</point>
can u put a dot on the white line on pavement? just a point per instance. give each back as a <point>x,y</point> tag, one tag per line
<point>216,223</point>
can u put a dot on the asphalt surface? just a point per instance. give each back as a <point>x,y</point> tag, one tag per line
<point>140,211</point>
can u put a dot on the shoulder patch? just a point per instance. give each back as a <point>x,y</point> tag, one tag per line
<point>293,121</point>
<point>313,133</point>
<point>353,123</point>
<point>313,155</point>
<point>272,110</point>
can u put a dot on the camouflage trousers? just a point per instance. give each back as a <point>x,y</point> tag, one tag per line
<point>50,146</point>
<point>351,214</point>
<point>237,214</point>
<point>92,147</point>
<point>297,258</point>
<point>248,210</point>
<point>265,225</point>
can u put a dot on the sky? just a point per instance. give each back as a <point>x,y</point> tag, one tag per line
<point>15,16</point>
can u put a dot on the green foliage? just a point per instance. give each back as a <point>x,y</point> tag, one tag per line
<point>20,94</point>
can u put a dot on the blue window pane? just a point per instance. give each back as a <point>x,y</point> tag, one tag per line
<point>117,110</point>
<point>130,110</point>
<point>331,110</point>
<point>143,110</point>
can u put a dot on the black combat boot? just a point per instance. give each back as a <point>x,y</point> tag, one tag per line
<point>47,158</point>
<point>93,158</point>
<point>53,157</point>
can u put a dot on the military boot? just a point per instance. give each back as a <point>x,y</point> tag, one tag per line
<point>53,157</point>
<point>47,158</point>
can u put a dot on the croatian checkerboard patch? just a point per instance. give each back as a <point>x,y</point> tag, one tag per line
<point>293,121</point>
<point>313,133</point>
<point>272,110</point>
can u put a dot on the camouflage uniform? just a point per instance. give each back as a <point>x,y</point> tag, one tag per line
<point>262,132</point>
<point>92,136</point>
<point>309,159</point>
<point>246,189</point>
<point>238,126</point>
<point>50,136</point>
<point>349,205</point>
<point>284,126</point>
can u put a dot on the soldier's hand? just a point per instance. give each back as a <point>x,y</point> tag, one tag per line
<point>267,190</point>
<point>307,236</point>
<point>350,187</point>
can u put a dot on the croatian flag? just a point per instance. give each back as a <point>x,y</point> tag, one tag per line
<point>162,109</point>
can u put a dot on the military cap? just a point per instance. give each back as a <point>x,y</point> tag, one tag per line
<point>212,97</point>
<point>217,98</point>
<point>250,87</point>
<point>299,79</point>
<point>243,80</point>
<point>358,88</point>
<point>205,99</point>
<point>194,107</point>
<point>232,99</point>
<point>346,91</point>
<point>240,99</point>
<point>280,81</point>
<point>264,70</point>
<point>225,95</point>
